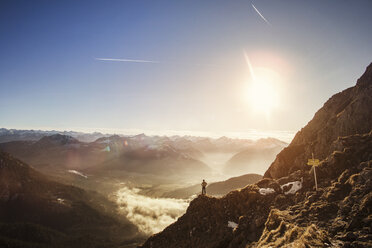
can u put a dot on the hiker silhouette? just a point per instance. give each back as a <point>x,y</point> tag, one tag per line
<point>204,189</point>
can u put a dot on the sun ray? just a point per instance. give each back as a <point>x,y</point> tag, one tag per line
<point>262,89</point>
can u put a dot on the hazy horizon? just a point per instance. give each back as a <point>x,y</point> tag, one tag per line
<point>238,123</point>
<point>285,136</point>
<point>212,66</point>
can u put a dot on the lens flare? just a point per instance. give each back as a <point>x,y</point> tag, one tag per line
<point>263,91</point>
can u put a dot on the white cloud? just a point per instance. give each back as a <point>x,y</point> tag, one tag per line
<point>151,215</point>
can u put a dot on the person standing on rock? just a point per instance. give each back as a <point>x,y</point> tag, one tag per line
<point>204,189</point>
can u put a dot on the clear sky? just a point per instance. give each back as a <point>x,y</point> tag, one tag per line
<point>50,76</point>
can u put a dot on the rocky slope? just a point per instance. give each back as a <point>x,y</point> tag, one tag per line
<point>216,188</point>
<point>38,212</point>
<point>345,113</point>
<point>271,213</point>
<point>284,209</point>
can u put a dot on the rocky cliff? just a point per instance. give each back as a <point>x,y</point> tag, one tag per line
<point>284,209</point>
<point>346,113</point>
<point>287,212</point>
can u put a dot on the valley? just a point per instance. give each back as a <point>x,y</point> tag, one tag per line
<point>185,124</point>
<point>148,180</point>
<point>286,208</point>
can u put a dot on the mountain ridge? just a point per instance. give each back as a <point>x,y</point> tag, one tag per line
<point>284,209</point>
<point>59,215</point>
<point>345,113</point>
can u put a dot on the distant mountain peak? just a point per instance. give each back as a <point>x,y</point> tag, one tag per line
<point>109,139</point>
<point>140,136</point>
<point>58,139</point>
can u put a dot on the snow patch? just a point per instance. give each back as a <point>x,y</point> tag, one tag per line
<point>266,191</point>
<point>232,224</point>
<point>295,186</point>
<point>77,173</point>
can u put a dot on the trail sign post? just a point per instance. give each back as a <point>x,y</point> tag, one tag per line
<point>314,163</point>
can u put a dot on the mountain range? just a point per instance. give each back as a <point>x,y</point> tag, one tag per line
<point>285,209</point>
<point>38,212</point>
<point>7,135</point>
<point>153,155</point>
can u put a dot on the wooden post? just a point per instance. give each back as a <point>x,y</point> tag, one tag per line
<point>316,182</point>
<point>314,163</point>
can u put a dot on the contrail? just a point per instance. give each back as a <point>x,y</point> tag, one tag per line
<point>129,60</point>
<point>151,61</point>
<point>259,13</point>
<point>249,66</point>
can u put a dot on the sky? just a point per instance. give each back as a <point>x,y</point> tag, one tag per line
<point>189,69</point>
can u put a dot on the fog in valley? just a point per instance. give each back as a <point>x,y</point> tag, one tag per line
<point>150,179</point>
<point>151,215</point>
<point>156,124</point>
<point>217,161</point>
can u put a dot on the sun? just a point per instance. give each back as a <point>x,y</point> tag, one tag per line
<point>263,91</point>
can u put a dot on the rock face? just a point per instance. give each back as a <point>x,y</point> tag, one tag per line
<point>346,113</point>
<point>339,214</point>
<point>284,209</point>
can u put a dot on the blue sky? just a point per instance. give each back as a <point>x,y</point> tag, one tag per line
<point>49,77</point>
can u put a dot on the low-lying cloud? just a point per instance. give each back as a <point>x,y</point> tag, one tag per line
<point>151,215</point>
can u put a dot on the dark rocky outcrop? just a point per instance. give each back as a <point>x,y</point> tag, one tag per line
<point>216,188</point>
<point>284,209</point>
<point>346,113</point>
<point>338,214</point>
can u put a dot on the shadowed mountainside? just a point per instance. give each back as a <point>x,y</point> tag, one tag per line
<point>57,151</point>
<point>115,156</point>
<point>37,212</point>
<point>166,161</point>
<point>135,154</point>
<point>284,209</point>
<point>345,113</point>
<point>338,214</point>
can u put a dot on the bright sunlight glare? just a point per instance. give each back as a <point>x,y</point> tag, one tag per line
<point>263,91</point>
